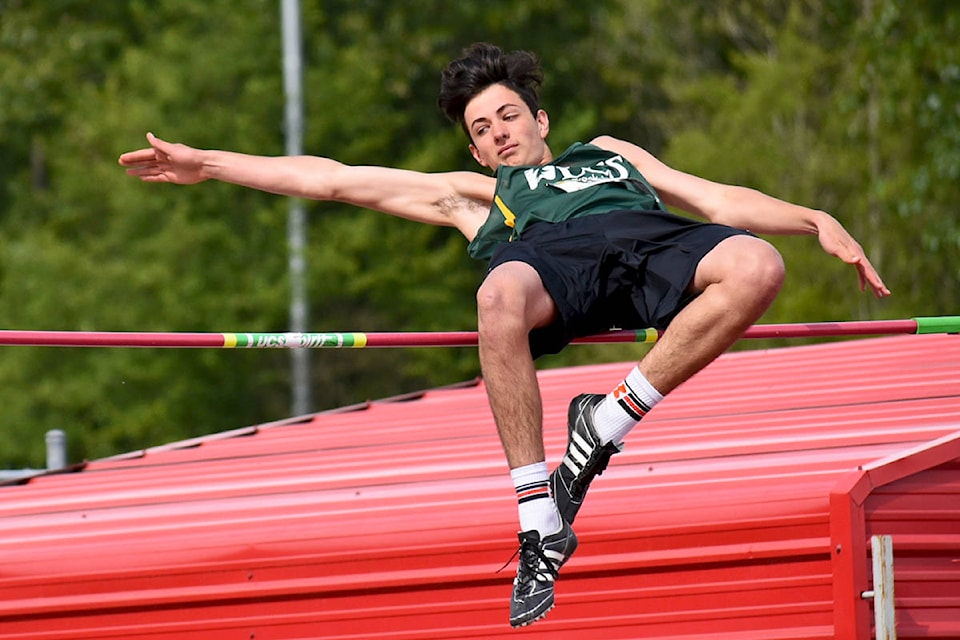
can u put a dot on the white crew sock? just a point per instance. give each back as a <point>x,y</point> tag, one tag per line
<point>535,504</point>
<point>623,407</point>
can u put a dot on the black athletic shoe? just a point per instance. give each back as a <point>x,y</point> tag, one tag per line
<point>540,561</point>
<point>585,459</point>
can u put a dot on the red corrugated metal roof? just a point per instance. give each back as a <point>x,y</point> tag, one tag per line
<point>740,508</point>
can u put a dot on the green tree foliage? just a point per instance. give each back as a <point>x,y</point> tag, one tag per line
<point>86,248</point>
<point>900,104</point>
<point>848,106</point>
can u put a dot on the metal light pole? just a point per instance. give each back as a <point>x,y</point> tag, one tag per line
<point>296,217</point>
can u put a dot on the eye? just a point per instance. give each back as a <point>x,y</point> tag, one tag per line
<point>482,129</point>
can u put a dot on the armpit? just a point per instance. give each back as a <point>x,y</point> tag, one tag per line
<point>467,214</point>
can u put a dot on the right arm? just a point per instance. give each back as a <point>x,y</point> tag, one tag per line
<point>749,209</point>
<point>457,199</point>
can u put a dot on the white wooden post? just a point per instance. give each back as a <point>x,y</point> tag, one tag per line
<point>882,594</point>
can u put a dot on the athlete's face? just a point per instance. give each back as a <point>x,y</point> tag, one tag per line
<point>504,131</point>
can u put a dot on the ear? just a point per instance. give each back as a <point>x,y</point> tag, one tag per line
<point>543,124</point>
<point>476,156</point>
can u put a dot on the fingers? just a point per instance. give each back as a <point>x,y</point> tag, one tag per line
<point>148,155</point>
<point>866,274</point>
<point>880,290</point>
<point>156,142</point>
<point>869,276</point>
<point>150,173</point>
<point>138,157</point>
<point>143,164</point>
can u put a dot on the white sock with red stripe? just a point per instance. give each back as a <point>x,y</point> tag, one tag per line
<point>537,508</point>
<point>623,407</point>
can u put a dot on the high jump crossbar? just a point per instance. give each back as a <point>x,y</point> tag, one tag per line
<point>355,340</point>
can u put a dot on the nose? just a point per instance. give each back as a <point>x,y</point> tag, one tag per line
<point>500,132</point>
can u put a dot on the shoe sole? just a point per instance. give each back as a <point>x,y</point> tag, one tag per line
<point>541,616</point>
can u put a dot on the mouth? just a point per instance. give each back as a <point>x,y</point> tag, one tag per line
<point>506,150</point>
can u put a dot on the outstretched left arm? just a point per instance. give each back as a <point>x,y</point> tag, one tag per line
<point>749,209</point>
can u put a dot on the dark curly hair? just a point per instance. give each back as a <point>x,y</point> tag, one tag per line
<point>482,65</point>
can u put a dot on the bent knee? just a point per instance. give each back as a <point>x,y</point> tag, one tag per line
<point>513,295</point>
<point>763,267</point>
<point>496,297</point>
<point>748,262</point>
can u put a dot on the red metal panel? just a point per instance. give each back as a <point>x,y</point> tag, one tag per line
<point>849,550</point>
<point>922,514</point>
<point>390,520</point>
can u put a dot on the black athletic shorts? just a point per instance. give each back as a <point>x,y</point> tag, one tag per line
<point>624,269</point>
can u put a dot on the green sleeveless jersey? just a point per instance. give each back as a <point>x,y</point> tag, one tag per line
<point>584,180</point>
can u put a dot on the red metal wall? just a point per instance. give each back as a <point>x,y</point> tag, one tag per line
<point>922,515</point>
<point>913,497</point>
